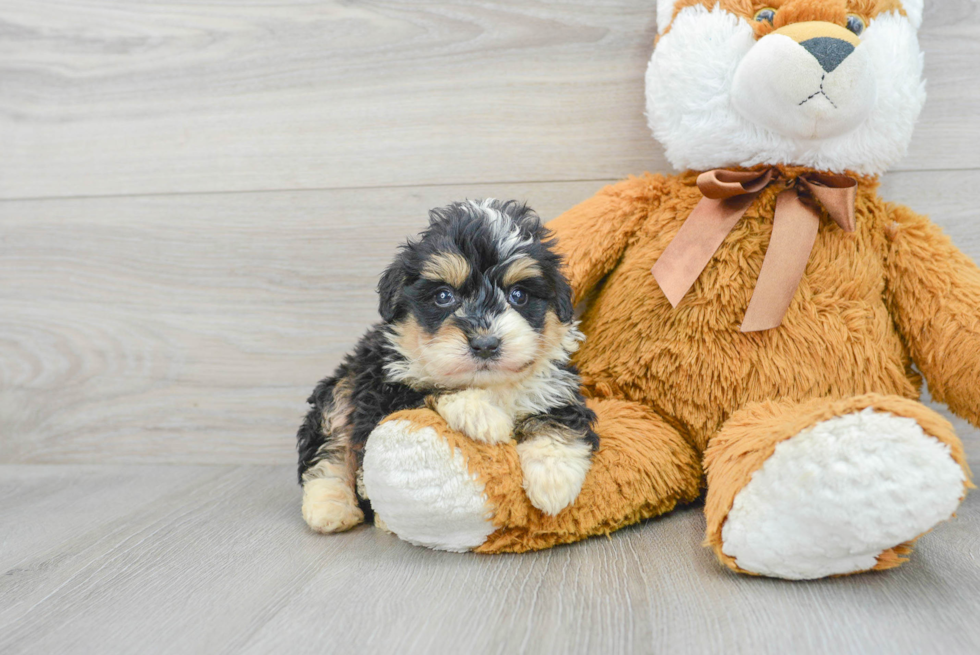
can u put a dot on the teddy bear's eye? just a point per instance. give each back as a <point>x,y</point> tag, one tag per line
<point>767,14</point>
<point>855,23</point>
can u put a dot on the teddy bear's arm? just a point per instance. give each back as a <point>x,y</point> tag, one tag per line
<point>593,235</point>
<point>933,290</point>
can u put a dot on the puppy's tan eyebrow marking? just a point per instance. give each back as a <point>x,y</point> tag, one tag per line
<point>448,267</point>
<point>522,269</point>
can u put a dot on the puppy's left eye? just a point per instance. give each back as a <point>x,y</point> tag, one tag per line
<point>518,297</point>
<point>445,297</point>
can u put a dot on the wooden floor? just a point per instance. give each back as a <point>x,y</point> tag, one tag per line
<point>195,202</point>
<point>215,559</point>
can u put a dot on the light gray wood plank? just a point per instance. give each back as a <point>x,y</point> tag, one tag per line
<point>647,589</point>
<point>225,565</point>
<point>191,328</point>
<point>943,196</point>
<point>46,506</point>
<point>117,97</point>
<point>192,571</point>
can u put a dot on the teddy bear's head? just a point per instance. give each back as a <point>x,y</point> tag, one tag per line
<point>830,84</point>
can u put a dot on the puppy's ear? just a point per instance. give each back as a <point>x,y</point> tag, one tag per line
<point>527,221</point>
<point>390,291</point>
<point>563,299</point>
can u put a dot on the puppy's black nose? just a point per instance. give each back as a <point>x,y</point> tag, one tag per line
<point>484,346</point>
<point>830,52</point>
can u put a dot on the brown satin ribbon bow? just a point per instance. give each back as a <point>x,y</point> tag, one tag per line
<point>727,196</point>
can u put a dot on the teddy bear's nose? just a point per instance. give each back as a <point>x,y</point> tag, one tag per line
<point>830,52</point>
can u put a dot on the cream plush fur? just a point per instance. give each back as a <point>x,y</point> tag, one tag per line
<point>422,490</point>
<point>694,111</point>
<point>812,509</point>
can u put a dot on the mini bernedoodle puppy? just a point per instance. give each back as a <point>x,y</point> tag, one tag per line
<point>477,325</point>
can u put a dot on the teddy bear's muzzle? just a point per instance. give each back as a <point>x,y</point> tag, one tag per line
<point>807,80</point>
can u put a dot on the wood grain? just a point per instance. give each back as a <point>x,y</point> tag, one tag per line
<point>191,328</point>
<point>43,506</point>
<point>116,97</point>
<point>222,563</point>
<point>208,193</point>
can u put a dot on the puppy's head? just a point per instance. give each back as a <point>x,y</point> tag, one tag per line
<point>478,299</point>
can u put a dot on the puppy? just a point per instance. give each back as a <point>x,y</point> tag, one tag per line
<point>477,325</point>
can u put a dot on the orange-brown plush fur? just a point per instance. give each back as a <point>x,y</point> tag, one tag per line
<point>684,399</point>
<point>869,302</point>
<point>664,380</point>
<point>798,11</point>
<point>837,338</point>
<point>751,436</point>
<point>644,468</point>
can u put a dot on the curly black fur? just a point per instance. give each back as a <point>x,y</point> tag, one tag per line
<point>369,391</point>
<point>372,398</point>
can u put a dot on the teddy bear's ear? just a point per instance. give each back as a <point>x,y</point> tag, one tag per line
<point>665,14</point>
<point>913,9</point>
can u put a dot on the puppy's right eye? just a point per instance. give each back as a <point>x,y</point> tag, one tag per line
<point>766,15</point>
<point>445,297</point>
<point>517,297</point>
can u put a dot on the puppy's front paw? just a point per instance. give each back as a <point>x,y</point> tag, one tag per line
<point>381,525</point>
<point>329,505</point>
<point>472,414</point>
<point>553,471</point>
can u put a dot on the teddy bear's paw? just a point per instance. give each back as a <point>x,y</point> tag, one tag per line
<point>421,489</point>
<point>329,505</point>
<point>554,471</point>
<point>471,413</point>
<point>836,496</point>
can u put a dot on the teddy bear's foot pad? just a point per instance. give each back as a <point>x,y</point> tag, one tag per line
<point>836,496</point>
<point>422,490</point>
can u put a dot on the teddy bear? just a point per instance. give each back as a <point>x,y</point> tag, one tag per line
<point>755,324</point>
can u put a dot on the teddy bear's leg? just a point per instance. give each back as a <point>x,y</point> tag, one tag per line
<point>829,487</point>
<point>434,487</point>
